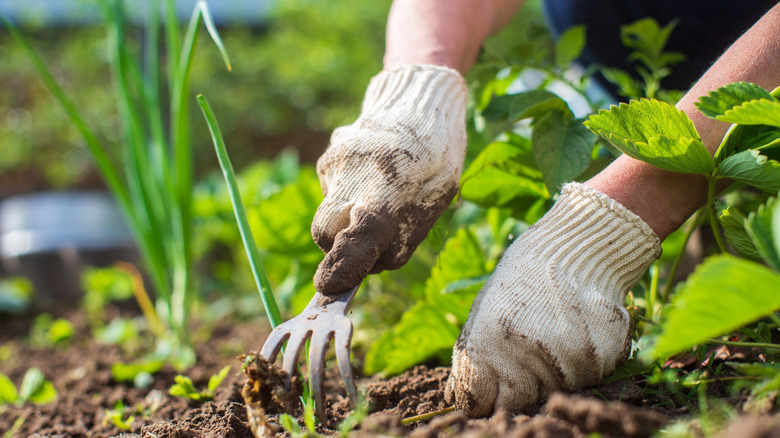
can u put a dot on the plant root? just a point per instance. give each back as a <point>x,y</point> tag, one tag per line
<point>264,391</point>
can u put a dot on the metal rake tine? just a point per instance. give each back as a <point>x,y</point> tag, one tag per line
<point>343,340</point>
<point>294,346</point>
<point>317,349</point>
<point>273,344</point>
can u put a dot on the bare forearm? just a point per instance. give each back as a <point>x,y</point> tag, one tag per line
<point>664,199</point>
<point>443,32</point>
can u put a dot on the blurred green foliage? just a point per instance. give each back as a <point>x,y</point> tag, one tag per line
<point>295,77</point>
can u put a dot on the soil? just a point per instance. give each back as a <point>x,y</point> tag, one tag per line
<point>81,372</point>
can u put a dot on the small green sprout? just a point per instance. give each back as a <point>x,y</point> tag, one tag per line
<point>116,417</point>
<point>34,389</point>
<point>185,388</point>
<point>47,331</point>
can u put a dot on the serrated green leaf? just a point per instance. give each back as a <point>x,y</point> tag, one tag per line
<point>723,294</point>
<point>8,392</point>
<point>45,394</point>
<point>569,46</point>
<point>717,102</point>
<point>216,379</point>
<point>562,148</point>
<point>755,112</point>
<point>743,137</point>
<point>432,333</point>
<point>750,167</point>
<point>31,382</point>
<point>733,222</point>
<point>654,132</point>
<point>759,227</point>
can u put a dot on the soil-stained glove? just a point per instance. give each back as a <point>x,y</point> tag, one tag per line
<point>388,176</point>
<point>551,316</point>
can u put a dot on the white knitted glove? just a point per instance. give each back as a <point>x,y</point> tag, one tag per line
<point>551,316</point>
<point>388,176</point>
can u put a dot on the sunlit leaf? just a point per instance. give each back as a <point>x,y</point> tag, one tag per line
<point>654,132</point>
<point>8,392</point>
<point>432,335</point>
<point>754,112</point>
<point>216,379</point>
<point>717,102</point>
<point>723,294</point>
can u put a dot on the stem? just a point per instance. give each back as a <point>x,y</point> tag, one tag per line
<point>713,214</point>
<point>428,416</point>
<point>142,297</point>
<point>775,319</point>
<point>652,291</point>
<point>676,264</point>
<point>745,344</point>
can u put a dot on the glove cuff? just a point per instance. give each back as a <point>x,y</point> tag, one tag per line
<point>586,232</point>
<point>421,90</point>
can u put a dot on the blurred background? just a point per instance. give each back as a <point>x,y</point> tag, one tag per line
<point>300,68</point>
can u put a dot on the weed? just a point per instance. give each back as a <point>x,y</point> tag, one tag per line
<point>185,388</point>
<point>46,331</point>
<point>34,389</point>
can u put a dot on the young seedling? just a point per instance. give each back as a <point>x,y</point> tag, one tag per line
<point>47,331</point>
<point>185,388</point>
<point>34,389</point>
<point>116,417</point>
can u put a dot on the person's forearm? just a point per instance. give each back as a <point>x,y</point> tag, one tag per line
<point>443,32</point>
<point>665,199</point>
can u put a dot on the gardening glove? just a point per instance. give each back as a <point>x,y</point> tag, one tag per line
<point>551,316</point>
<point>388,176</point>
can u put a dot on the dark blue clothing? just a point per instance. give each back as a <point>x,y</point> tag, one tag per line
<point>706,28</point>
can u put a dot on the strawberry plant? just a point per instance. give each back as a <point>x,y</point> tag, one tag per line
<point>659,134</point>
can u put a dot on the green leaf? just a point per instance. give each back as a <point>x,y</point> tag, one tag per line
<point>733,222</point>
<point>8,392</point>
<point>184,388</point>
<point>524,105</point>
<point>504,174</point>
<point>216,379</point>
<point>727,97</point>
<point>282,222</point>
<point>776,225</point>
<point>626,84</point>
<point>31,382</point>
<point>723,294</point>
<point>750,167</point>
<point>654,132</point>
<point>122,372</point>
<point>562,148</point>
<point>759,226</point>
<point>461,258</point>
<point>45,394</point>
<point>569,46</point>
<point>743,137</point>
<point>395,352</point>
<point>755,112</point>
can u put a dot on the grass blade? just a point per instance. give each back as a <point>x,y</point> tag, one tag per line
<point>212,29</point>
<point>263,286</point>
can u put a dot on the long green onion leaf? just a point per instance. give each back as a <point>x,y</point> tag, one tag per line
<point>263,286</point>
